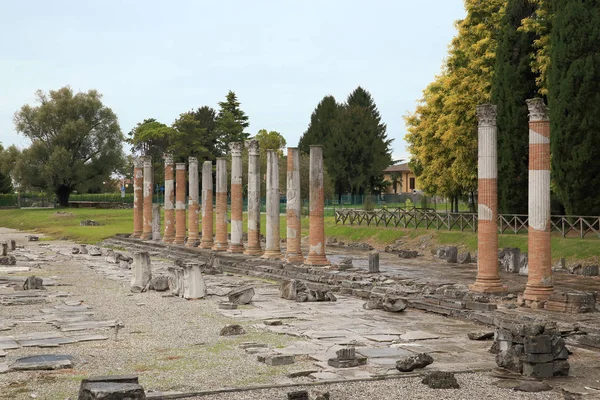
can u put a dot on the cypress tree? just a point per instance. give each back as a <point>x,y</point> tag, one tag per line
<point>574,102</point>
<point>513,83</point>
<point>319,128</point>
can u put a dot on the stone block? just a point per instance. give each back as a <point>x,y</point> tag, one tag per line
<point>275,360</point>
<point>544,370</point>
<point>241,295</point>
<point>538,358</point>
<point>232,330</point>
<point>111,391</point>
<point>560,368</point>
<point>589,270</point>
<point>416,361</point>
<point>475,305</point>
<point>194,286</point>
<point>538,344</point>
<point>440,380</point>
<point>464,258</point>
<point>33,283</point>
<point>298,395</point>
<point>511,261</point>
<point>373,262</point>
<point>12,245</point>
<point>480,335</point>
<point>8,260</point>
<point>3,249</point>
<point>159,283</point>
<point>142,271</point>
<point>408,254</point>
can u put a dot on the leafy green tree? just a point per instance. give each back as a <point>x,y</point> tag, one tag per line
<point>539,23</point>
<point>5,180</point>
<point>154,139</point>
<point>196,135</point>
<point>513,83</point>
<point>76,142</point>
<point>321,123</point>
<point>574,102</point>
<point>231,122</point>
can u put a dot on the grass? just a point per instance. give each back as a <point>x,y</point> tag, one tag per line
<point>56,225</point>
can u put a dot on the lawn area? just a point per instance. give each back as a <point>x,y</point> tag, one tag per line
<point>58,223</point>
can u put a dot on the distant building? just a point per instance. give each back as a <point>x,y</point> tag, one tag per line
<point>406,180</point>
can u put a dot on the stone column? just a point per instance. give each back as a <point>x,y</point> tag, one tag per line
<point>141,271</point>
<point>147,190</point>
<point>539,282</point>
<point>207,206</point>
<point>488,280</point>
<point>316,233</point>
<point>169,200</point>
<point>237,202</point>
<point>193,207</point>
<point>272,248</point>
<point>138,197</point>
<point>253,248</point>
<point>294,207</point>
<point>221,236</point>
<point>179,203</point>
<point>156,222</point>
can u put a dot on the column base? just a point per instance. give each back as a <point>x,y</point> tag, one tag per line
<point>235,248</point>
<point>146,236</point>
<point>135,235</point>
<point>537,293</point>
<point>192,242</point>
<point>272,254</point>
<point>489,286</point>
<point>207,245</point>
<point>179,240</point>
<point>294,258</point>
<point>317,260</point>
<point>168,239</point>
<point>220,247</point>
<point>253,251</point>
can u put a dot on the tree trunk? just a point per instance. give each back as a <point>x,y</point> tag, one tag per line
<point>63,193</point>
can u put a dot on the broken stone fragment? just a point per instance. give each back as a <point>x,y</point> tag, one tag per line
<point>275,360</point>
<point>393,304</point>
<point>241,295</point>
<point>94,251</point>
<point>111,390</point>
<point>226,305</point>
<point>3,248</point>
<point>480,335</point>
<point>408,364</point>
<point>33,283</point>
<point>32,238</point>
<point>232,330</point>
<point>464,258</point>
<point>8,260</point>
<point>12,245</point>
<point>533,386</point>
<point>159,283</point>
<point>75,250</point>
<point>83,249</point>
<point>298,395</point>
<point>441,380</point>
<point>407,254</point>
<point>373,262</point>
<point>142,271</point>
<point>89,222</point>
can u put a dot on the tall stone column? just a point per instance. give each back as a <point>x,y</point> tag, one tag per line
<point>179,203</point>
<point>138,197</point>
<point>237,202</point>
<point>488,280</point>
<point>273,247</point>
<point>169,199</point>
<point>539,282</point>
<point>193,207</point>
<point>207,206</point>
<point>147,190</point>
<point>221,236</point>
<point>294,207</point>
<point>316,233</point>
<point>253,248</point>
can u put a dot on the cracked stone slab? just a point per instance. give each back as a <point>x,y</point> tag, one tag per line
<point>419,335</point>
<point>382,338</point>
<point>81,326</point>
<point>327,334</point>
<point>383,352</point>
<point>51,342</point>
<point>8,343</point>
<point>326,376</point>
<point>42,362</point>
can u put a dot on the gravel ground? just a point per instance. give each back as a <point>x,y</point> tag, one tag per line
<point>473,386</point>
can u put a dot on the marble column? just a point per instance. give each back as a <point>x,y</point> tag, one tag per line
<point>488,279</point>
<point>273,247</point>
<point>193,207</point>
<point>539,281</point>
<point>253,248</point>
<point>294,207</point>
<point>147,190</point>
<point>237,201</point>
<point>180,193</point>
<point>207,206</point>
<point>221,236</point>
<point>316,233</point>
<point>138,198</point>
<point>169,199</point>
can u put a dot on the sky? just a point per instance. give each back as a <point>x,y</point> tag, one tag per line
<point>158,59</point>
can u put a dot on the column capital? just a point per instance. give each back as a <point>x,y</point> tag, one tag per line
<point>138,162</point>
<point>235,148</point>
<point>168,158</point>
<point>180,166</point>
<point>538,111</point>
<point>147,161</point>
<point>253,147</point>
<point>193,160</point>
<point>486,114</point>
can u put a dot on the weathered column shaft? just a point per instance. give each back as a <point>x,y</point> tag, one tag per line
<point>294,207</point>
<point>488,280</point>
<point>138,197</point>
<point>273,247</point>
<point>179,203</point>
<point>193,206</point>
<point>147,190</point>
<point>169,200</point>
<point>237,202</point>
<point>207,206</point>
<point>539,282</point>
<point>221,189</point>
<point>253,247</point>
<point>316,233</point>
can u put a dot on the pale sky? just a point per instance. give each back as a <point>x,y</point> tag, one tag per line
<point>154,59</point>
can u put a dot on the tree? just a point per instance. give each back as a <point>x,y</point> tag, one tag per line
<point>574,103</point>
<point>513,83</point>
<point>154,139</point>
<point>196,135</point>
<point>5,180</point>
<point>539,23</point>
<point>231,122</point>
<point>320,126</point>
<point>272,140</point>
<point>75,141</point>
<point>396,180</point>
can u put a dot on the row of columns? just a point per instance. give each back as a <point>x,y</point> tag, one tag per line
<point>539,282</point>
<point>175,207</point>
